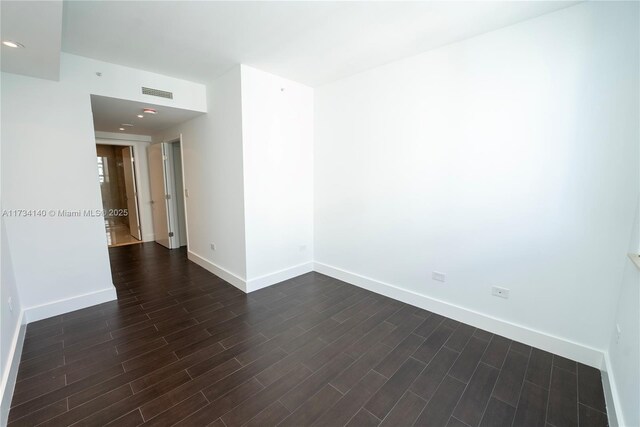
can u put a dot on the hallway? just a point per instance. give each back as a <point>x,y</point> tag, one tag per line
<point>182,346</point>
<point>117,180</point>
<point>118,234</point>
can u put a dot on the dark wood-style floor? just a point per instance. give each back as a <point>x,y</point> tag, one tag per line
<point>181,346</point>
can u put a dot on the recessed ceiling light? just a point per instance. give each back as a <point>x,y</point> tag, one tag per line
<point>121,128</point>
<point>140,116</point>
<point>11,43</point>
<point>149,111</point>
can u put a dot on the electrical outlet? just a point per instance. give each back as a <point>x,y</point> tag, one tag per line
<point>497,291</point>
<point>303,248</point>
<point>213,246</point>
<point>618,333</point>
<point>440,277</point>
<point>10,303</point>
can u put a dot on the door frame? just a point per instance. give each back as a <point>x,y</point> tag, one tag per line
<point>160,195</point>
<point>170,189</point>
<point>134,177</point>
<point>136,167</point>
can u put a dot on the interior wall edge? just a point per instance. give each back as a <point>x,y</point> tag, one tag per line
<point>67,305</point>
<point>219,271</point>
<point>611,395</point>
<point>250,285</point>
<point>10,371</point>
<point>279,276</point>
<point>572,350</point>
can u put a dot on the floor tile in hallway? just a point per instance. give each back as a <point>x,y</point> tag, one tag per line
<point>118,234</point>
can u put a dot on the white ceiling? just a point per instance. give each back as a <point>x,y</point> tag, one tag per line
<point>110,113</point>
<point>310,42</point>
<point>38,26</point>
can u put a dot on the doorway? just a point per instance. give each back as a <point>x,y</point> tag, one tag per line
<point>118,188</point>
<point>167,193</point>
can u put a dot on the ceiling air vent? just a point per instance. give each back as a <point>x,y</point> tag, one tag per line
<point>157,92</point>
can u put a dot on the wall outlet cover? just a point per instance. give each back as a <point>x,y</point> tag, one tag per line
<point>497,291</point>
<point>438,276</point>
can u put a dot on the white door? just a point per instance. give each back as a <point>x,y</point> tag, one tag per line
<point>159,193</point>
<point>131,192</point>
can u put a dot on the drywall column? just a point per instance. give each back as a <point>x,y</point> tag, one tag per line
<point>277,139</point>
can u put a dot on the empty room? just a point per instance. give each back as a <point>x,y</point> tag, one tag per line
<point>320,213</point>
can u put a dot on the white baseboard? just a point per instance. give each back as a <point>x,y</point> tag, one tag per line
<point>236,281</point>
<point>149,237</point>
<point>278,276</point>
<point>611,397</point>
<point>252,284</point>
<point>572,350</point>
<point>10,371</point>
<point>67,305</point>
<point>560,346</point>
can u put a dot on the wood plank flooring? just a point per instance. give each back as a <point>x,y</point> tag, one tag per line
<point>183,347</point>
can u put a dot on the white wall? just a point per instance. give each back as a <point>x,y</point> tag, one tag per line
<point>248,168</point>
<point>142,178</point>
<point>48,162</point>
<point>508,159</point>
<point>11,322</point>
<point>277,134</point>
<point>212,159</point>
<point>624,351</point>
<point>117,81</point>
